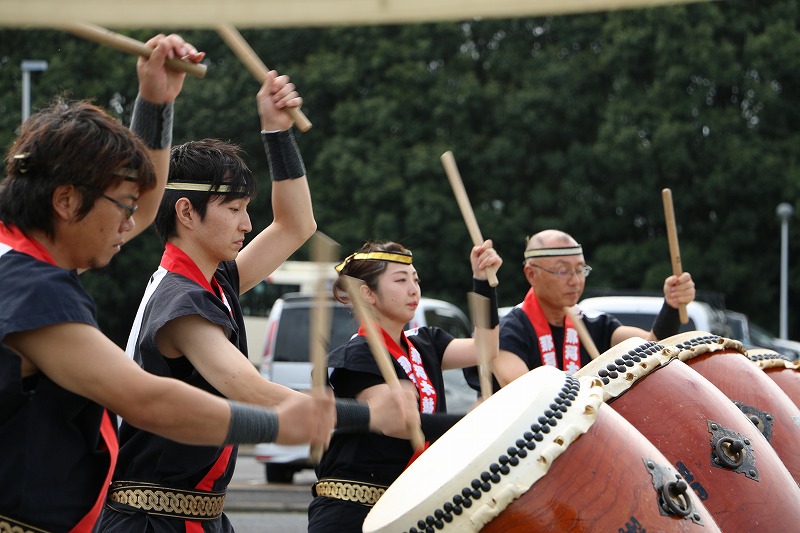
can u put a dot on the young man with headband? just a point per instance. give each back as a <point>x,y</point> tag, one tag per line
<point>190,325</point>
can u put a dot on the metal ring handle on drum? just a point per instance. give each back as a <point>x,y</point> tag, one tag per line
<point>675,498</point>
<point>730,452</point>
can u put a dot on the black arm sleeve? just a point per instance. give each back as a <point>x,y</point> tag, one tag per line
<point>667,322</point>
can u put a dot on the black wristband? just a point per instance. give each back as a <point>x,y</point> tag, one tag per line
<point>152,123</point>
<point>352,416</point>
<point>667,322</point>
<point>482,287</point>
<point>283,155</point>
<point>251,424</point>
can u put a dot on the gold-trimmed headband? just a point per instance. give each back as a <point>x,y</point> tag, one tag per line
<point>553,252</point>
<point>393,257</point>
<point>199,187</point>
<point>23,162</point>
<point>128,173</point>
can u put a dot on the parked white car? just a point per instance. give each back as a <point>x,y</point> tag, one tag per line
<point>640,311</point>
<point>286,361</point>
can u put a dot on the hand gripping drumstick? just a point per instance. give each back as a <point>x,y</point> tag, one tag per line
<point>132,46</point>
<point>674,250</point>
<point>382,357</point>
<point>453,175</point>
<point>485,343</point>
<point>323,249</point>
<point>583,333</point>
<point>247,55</point>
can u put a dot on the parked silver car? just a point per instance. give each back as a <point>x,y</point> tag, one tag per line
<point>286,361</point>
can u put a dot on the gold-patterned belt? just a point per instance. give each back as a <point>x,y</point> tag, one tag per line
<point>352,491</point>
<point>9,525</point>
<point>166,501</point>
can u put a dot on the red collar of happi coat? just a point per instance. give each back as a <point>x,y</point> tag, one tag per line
<point>413,367</point>
<point>177,261</point>
<point>572,344</point>
<point>13,237</point>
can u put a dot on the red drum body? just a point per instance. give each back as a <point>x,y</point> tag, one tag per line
<point>542,454</point>
<point>724,362</point>
<point>718,451</point>
<point>779,369</point>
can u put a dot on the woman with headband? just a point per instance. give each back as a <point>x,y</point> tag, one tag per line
<point>357,468</point>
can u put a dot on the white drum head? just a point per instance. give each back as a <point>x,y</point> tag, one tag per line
<point>490,457</point>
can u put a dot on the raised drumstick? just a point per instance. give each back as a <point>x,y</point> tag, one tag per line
<point>379,351</point>
<point>450,168</point>
<point>129,45</point>
<point>256,67</point>
<point>674,250</point>
<point>479,311</point>
<point>583,333</point>
<point>323,250</point>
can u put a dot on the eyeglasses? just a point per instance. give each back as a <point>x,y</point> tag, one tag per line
<point>129,209</point>
<point>565,273</point>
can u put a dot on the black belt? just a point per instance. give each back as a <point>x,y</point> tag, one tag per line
<point>165,501</point>
<point>352,491</point>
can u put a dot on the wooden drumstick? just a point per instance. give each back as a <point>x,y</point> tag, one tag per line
<point>674,250</point>
<point>450,168</point>
<point>479,311</point>
<point>129,45</point>
<point>257,68</point>
<point>323,250</point>
<point>583,333</point>
<point>379,351</point>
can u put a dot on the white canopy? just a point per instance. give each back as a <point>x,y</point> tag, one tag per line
<point>289,13</point>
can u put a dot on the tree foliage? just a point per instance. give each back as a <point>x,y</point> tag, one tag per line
<point>576,122</point>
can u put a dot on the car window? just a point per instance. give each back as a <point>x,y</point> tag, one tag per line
<point>292,341</point>
<point>451,323</point>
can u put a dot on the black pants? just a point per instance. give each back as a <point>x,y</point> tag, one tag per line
<point>329,515</point>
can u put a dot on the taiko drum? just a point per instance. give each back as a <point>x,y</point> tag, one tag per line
<point>780,369</point>
<point>725,363</point>
<point>723,457</point>
<point>542,454</point>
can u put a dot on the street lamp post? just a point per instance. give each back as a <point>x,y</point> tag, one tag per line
<point>784,212</point>
<point>28,66</point>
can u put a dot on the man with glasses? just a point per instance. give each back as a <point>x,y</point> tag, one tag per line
<point>539,330</point>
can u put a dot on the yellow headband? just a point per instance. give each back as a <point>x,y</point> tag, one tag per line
<point>394,257</point>
<point>553,252</point>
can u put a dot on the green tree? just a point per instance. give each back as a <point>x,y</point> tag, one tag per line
<point>576,122</point>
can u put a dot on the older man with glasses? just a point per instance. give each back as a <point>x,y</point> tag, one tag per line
<point>539,330</point>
